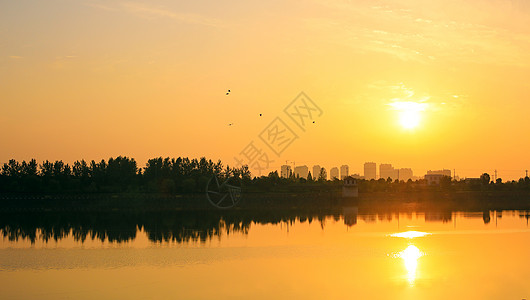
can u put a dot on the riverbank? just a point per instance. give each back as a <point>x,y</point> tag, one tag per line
<point>437,199</point>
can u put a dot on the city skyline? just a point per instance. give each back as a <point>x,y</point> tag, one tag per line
<point>387,170</point>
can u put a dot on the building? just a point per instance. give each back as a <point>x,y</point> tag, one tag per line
<point>443,172</point>
<point>301,171</point>
<point>405,174</point>
<point>349,188</point>
<point>370,170</point>
<point>316,172</point>
<point>473,181</point>
<point>344,171</point>
<point>334,173</point>
<point>434,179</point>
<point>285,171</point>
<point>387,171</point>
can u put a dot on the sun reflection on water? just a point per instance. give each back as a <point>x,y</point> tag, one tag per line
<point>410,234</point>
<point>411,254</point>
<point>410,258</point>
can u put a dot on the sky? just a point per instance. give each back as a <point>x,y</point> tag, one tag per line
<point>420,84</point>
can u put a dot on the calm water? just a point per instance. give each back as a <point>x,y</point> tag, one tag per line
<point>390,255</point>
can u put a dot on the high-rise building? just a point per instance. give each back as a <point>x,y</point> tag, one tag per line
<point>387,171</point>
<point>285,171</point>
<point>405,174</point>
<point>370,170</point>
<point>344,171</point>
<point>301,171</point>
<point>334,173</point>
<point>316,172</point>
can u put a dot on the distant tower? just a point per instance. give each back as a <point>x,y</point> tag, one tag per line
<point>334,173</point>
<point>316,172</point>
<point>405,174</point>
<point>369,170</point>
<point>301,171</point>
<point>285,171</point>
<point>344,170</point>
<point>387,171</point>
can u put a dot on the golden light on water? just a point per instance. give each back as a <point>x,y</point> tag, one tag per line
<point>410,258</point>
<point>410,234</point>
<point>411,254</point>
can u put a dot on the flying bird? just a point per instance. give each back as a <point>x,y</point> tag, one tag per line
<point>228,93</point>
<point>230,124</point>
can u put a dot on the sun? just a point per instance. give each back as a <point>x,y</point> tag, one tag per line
<point>409,119</point>
<point>409,113</point>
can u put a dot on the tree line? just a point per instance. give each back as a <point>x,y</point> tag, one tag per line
<point>185,175</point>
<point>120,174</point>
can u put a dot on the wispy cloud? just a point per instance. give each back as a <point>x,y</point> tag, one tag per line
<point>149,11</point>
<point>398,96</point>
<point>412,30</point>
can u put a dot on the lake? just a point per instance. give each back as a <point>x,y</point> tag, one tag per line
<point>266,255</point>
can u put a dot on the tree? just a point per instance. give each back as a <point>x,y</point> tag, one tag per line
<point>30,168</point>
<point>12,169</point>
<point>309,177</point>
<point>46,169</point>
<point>323,175</point>
<point>485,179</point>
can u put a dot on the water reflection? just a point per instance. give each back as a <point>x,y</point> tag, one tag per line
<point>410,234</point>
<point>410,258</point>
<point>411,254</point>
<point>183,227</point>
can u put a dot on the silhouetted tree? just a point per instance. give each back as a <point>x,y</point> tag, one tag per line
<point>323,176</point>
<point>309,177</point>
<point>485,179</point>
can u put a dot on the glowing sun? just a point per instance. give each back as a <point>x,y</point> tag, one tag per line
<point>409,113</point>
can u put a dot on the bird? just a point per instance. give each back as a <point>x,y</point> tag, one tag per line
<point>228,93</point>
<point>313,122</point>
<point>230,124</point>
<point>260,115</point>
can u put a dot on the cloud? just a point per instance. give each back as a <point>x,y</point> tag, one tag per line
<point>428,31</point>
<point>398,96</point>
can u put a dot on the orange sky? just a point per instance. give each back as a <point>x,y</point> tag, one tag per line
<point>94,79</point>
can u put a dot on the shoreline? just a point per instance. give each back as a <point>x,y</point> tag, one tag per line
<point>435,199</point>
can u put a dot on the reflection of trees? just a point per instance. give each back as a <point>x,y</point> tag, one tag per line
<point>180,227</point>
<point>122,227</point>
